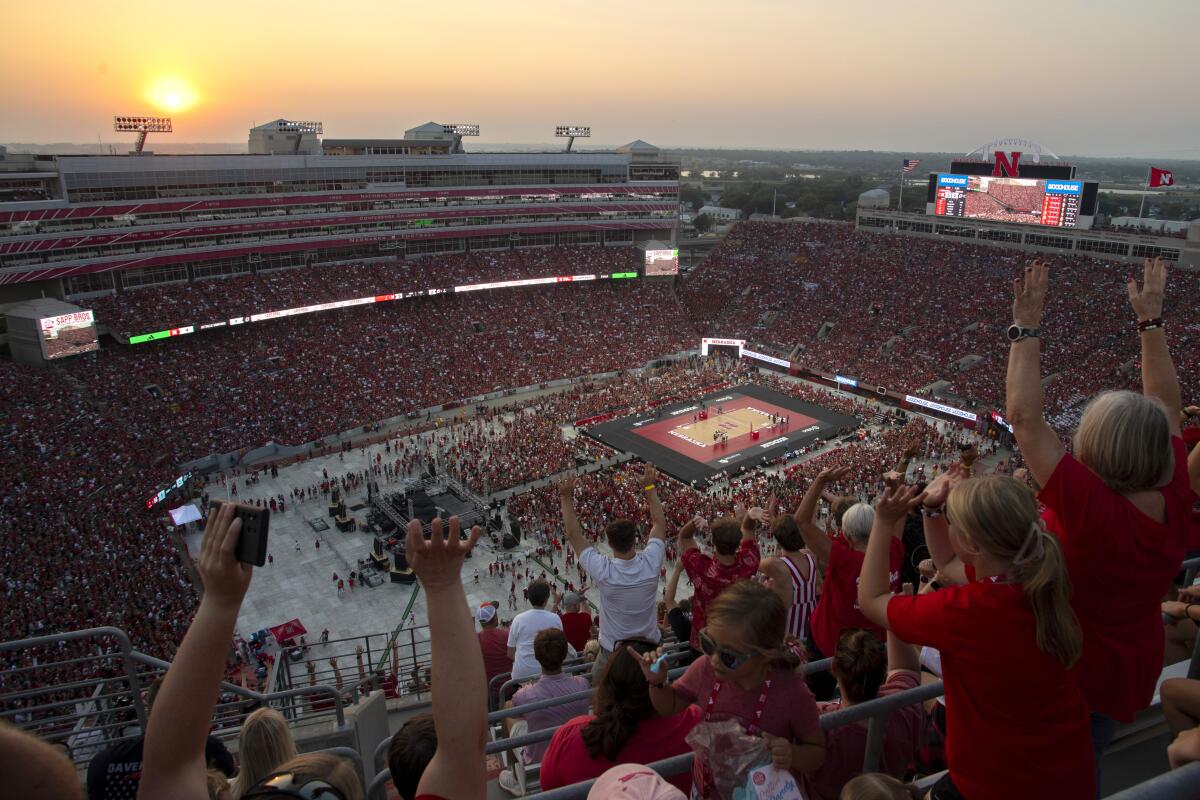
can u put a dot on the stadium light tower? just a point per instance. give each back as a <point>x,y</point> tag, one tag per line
<point>570,132</point>
<point>289,126</point>
<point>458,131</point>
<point>142,126</point>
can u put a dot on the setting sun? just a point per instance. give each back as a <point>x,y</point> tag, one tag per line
<point>171,93</point>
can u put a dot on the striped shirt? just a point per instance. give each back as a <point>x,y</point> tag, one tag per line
<point>804,596</point>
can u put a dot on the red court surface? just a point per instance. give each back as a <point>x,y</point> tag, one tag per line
<point>693,437</point>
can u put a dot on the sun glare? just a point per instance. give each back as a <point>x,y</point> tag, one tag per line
<point>171,93</point>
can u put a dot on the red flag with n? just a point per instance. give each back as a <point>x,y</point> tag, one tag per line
<point>1161,177</point>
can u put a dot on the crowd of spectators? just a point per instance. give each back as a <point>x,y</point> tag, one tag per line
<point>902,312</point>
<point>81,444</point>
<point>155,308</point>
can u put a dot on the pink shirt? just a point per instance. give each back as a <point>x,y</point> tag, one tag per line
<point>790,709</point>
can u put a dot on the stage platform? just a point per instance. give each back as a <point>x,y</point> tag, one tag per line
<point>679,438</point>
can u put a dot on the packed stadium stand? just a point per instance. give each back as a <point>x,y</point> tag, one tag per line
<point>84,442</point>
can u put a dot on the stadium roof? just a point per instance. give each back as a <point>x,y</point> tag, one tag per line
<point>637,146</point>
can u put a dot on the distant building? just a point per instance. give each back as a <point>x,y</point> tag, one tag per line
<point>719,212</point>
<point>875,198</point>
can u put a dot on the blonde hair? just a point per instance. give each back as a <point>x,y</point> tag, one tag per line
<point>217,785</point>
<point>1000,515</point>
<point>337,772</point>
<point>876,786</point>
<point>1125,438</point>
<point>265,743</point>
<point>759,613</point>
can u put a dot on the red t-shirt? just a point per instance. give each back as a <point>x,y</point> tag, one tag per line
<point>494,644</point>
<point>838,606</point>
<point>577,626</point>
<point>845,745</point>
<point>566,760</point>
<point>1121,564</point>
<point>1017,722</point>
<point>790,710</point>
<point>711,577</point>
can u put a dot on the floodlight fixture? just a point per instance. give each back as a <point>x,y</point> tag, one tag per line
<point>571,132</point>
<point>288,126</point>
<point>459,130</point>
<point>142,126</point>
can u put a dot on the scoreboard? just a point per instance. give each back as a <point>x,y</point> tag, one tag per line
<point>1060,204</point>
<point>951,197</point>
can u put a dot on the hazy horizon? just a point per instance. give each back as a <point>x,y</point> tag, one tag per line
<point>1098,79</point>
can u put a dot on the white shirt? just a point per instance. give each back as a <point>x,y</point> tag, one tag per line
<point>525,627</point>
<point>628,593</point>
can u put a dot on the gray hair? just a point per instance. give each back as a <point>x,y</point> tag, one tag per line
<point>857,522</point>
<point>1125,438</point>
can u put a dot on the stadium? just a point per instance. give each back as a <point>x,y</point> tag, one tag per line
<point>358,339</point>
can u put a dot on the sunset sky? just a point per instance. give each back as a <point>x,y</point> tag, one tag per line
<point>1083,78</point>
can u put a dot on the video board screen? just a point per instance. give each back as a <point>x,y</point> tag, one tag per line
<point>1031,201</point>
<point>662,262</point>
<point>69,334</point>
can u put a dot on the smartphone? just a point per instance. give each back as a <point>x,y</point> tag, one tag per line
<point>252,540</point>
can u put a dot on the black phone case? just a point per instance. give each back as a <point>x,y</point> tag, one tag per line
<point>252,541</point>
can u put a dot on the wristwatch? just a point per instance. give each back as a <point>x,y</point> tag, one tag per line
<point>1016,333</point>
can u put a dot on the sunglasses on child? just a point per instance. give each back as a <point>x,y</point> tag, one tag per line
<point>730,659</point>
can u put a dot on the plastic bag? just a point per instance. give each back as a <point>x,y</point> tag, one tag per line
<point>737,765</point>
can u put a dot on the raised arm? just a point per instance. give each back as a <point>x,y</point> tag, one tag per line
<point>815,539</point>
<point>750,523</point>
<point>673,585</point>
<point>1023,390</point>
<point>937,531</point>
<point>687,536</point>
<point>874,584</point>
<point>658,519</point>
<point>173,763</point>
<point>902,656</point>
<point>566,496</point>
<point>1158,371</point>
<point>459,680</point>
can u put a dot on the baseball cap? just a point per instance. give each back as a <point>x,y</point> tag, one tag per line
<point>485,613</point>
<point>635,782</point>
<point>572,598</point>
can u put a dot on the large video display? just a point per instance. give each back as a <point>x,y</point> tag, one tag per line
<point>1025,200</point>
<point>68,334</point>
<point>662,262</point>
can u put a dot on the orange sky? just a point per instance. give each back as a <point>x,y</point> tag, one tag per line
<point>1096,77</point>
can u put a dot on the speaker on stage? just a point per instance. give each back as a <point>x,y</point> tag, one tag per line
<point>516,529</point>
<point>401,561</point>
<point>377,548</point>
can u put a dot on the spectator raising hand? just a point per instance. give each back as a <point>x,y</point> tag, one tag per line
<point>173,761</point>
<point>459,680</point>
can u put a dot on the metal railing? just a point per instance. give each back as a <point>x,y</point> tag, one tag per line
<point>91,714</point>
<point>1178,784</point>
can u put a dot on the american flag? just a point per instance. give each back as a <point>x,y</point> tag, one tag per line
<point>910,164</point>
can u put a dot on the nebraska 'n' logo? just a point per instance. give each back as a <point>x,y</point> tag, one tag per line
<point>1007,164</point>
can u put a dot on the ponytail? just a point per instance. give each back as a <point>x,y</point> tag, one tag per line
<point>1000,516</point>
<point>1048,589</point>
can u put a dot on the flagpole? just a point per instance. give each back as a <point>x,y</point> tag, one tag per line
<point>900,203</point>
<point>1147,184</point>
